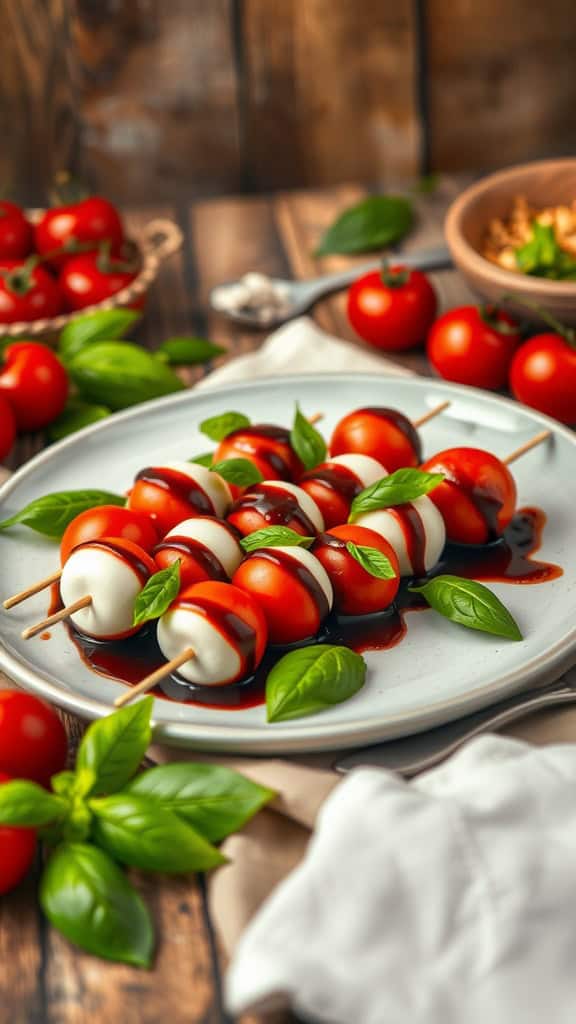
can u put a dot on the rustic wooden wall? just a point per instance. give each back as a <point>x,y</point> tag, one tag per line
<point>158,99</point>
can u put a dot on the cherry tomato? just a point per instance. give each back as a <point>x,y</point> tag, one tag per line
<point>543,375</point>
<point>477,498</point>
<point>7,427</point>
<point>15,232</point>
<point>392,308</point>
<point>109,521</point>
<point>90,278</point>
<point>92,220</point>
<point>27,292</point>
<point>356,591</point>
<point>17,848</point>
<point>473,345</point>
<point>33,742</point>
<point>267,446</point>
<point>385,434</point>
<point>34,382</point>
<point>278,586</point>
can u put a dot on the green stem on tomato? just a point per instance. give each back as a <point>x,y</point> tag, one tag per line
<point>567,333</point>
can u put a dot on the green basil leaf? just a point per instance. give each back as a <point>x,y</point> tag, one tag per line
<point>92,327</point>
<point>119,374</point>
<point>218,427</point>
<point>396,489</point>
<point>188,351</point>
<point>63,783</point>
<point>373,561</point>
<point>241,472</point>
<point>214,800</point>
<point>75,417</point>
<point>113,747</point>
<point>309,445</point>
<point>86,896</point>
<point>25,803</point>
<point>141,833</point>
<point>372,224</point>
<point>312,679</point>
<point>206,459</point>
<point>469,604</point>
<point>157,594</point>
<point>542,256</point>
<point>274,537</point>
<point>52,513</point>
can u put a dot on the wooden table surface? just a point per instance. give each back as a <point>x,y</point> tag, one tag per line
<point>42,978</point>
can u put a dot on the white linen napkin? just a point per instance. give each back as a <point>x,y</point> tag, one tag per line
<point>447,900</point>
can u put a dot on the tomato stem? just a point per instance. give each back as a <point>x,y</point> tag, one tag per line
<point>394,277</point>
<point>567,333</point>
<point>492,316</point>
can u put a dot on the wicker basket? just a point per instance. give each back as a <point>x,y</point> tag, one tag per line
<point>160,239</point>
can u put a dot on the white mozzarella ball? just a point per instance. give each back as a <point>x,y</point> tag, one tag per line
<point>113,586</point>
<point>310,562</point>
<point>214,535</point>
<point>216,662</point>
<point>213,485</point>
<point>388,522</point>
<point>367,469</point>
<point>306,503</point>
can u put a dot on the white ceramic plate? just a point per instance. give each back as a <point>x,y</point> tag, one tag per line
<point>439,671</point>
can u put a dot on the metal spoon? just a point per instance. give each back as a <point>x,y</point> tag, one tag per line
<point>301,295</point>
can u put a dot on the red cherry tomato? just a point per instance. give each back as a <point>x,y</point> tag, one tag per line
<point>27,292</point>
<point>92,220</point>
<point>478,497</point>
<point>17,848</point>
<point>288,603</point>
<point>543,375</point>
<point>267,446</point>
<point>34,382</point>
<point>15,232</point>
<point>385,434</point>
<point>356,591</point>
<point>230,600</point>
<point>109,521</point>
<point>89,278</point>
<point>471,345</point>
<point>393,308</point>
<point>7,427</point>
<point>33,742</point>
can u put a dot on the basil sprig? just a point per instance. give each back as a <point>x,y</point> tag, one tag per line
<point>52,513</point>
<point>157,594</point>
<point>372,224</point>
<point>274,537</point>
<point>89,328</point>
<point>240,472</point>
<point>206,459</point>
<point>312,679</point>
<point>469,604</point>
<point>103,814</point>
<point>119,374</point>
<point>76,416</point>
<point>218,427</point>
<point>372,561</point>
<point>307,442</point>
<point>396,489</point>
<point>187,351</point>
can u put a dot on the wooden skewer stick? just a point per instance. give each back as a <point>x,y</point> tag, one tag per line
<point>34,589</point>
<point>155,677</point>
<point>527,446</point>
<point>315,417</point>
<point>64,613</point>
<point>427,416</point>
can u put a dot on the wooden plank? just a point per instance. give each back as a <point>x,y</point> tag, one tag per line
<point>21,956</point>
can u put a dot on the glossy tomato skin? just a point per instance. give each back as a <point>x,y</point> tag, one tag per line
<point>42,299</point>
<point>288,606</point>
<point>543,375</point>
<point>267,447</point>
<point>15,232</point>
<point>465,347</point>
<point>392,316</point>
<point>83,282</point>
<point>93,220</point>
<point>33,743</point>
<point>478,497</point>
<point>385,434</point>
<point>17,848</point>
<point>7,427</point>
<point>34,382</point>
<point>109,521</point>
<point>235,601</point>
<point>356,591</point>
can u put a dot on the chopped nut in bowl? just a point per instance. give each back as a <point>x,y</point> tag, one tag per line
<point>541,242</point>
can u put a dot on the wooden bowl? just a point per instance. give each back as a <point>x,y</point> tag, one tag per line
<point>542,183</point>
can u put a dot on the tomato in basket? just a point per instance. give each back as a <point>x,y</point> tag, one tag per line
<point>16,232</point>
<point>27,292</point>
<point>93,220</point>
<point>93,277</point>
<point>34,382</point>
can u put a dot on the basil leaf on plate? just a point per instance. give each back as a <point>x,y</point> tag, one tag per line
<point>372,224</point>
<point>373,561</point>
<point>188,351</point>
<point>396,489</point>
<point>86,896</point>
<point>274,537</point>
<point>119,374</point>
<point>218,427</point>
<point>469,604</point>
<point>206,459</point>
<point>52,513</point>
<point>75,417</point>
<point>113,747</point>
<point>240,472</point>
<point>27,804</point>
<point>312,679</point>
<point>92,327</point>
<point>307,442</point>
<point>157,594</point>
<point>214,800</point>
<point>140,832</point>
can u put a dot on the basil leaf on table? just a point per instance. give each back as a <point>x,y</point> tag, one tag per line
<point>372,561</point>
<point>372,224</point>
<point>307,442</point>
<point>27,804</point>
<point>113,747</point>
<point>469,604</point>
<point>218,427</point>
<point>92,327</point>
<point>396,489</point>
<point>52,513</point>
<point>312,679</point>
<point>274,537</point>
<point>88,898</point>
<point>188,351</point>
<point>119,374</point>
<point>141,833</point>
<point>157,594</point>
<point>77,416</point>
<point>214,800</point>
<point>241,472</point>
<point>207,459</point>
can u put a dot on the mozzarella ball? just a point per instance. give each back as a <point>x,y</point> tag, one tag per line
<point>364,467</point>
<point>207,548</point>
<point>214,534</point>
<point>415,530</point>
<point>333,485</point>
